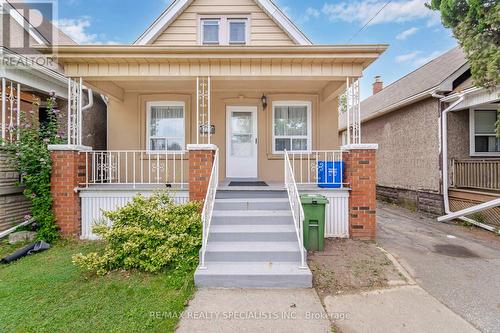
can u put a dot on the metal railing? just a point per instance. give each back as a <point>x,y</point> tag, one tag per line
<point>482,174</point>
<point>318,167</point>
<point>208,207</point>
<point>136,167</point>
<point>296,206</point>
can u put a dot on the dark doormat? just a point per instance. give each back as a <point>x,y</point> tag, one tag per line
<point>257,183</point>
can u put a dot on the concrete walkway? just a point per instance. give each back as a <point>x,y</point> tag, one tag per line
<point>458,266</point>
<point>251,310</point>
<point>401,309</point>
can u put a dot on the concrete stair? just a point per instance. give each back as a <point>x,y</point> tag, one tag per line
<point>252,243</point>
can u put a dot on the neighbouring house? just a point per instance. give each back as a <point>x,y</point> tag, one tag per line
<point>26,81</point>
<point>406,120</point>
<point>229,103</point>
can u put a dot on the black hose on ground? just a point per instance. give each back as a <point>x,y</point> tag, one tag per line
<point>35,247</point>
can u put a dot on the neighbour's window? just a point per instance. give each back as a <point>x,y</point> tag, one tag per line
<point>483,133</point>
<point>210,31</point>
<point>237,31</point>
<point>291,126</point>
<point>166,126</point>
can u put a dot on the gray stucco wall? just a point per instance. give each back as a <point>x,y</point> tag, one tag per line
<point>458,135</point>
<point>408,155</point>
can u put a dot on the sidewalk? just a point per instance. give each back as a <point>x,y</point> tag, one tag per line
<point>401,309</point>
<point>255,310</point>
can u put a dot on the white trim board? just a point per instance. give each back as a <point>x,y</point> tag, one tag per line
<point>178,6</point>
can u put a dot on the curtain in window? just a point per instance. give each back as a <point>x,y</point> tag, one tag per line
<point>210,31</point>
<point>290,128</point>
<point>166,127</point>
<point>237,32</point>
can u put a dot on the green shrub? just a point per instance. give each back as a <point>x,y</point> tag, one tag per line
<point>30,157</point>
<point>148,234</point>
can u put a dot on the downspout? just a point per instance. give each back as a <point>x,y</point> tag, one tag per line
<point>91,100</point>
<point>444,147</point>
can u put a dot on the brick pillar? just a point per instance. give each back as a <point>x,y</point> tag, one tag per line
<point>201,159</point>
<point>360,174</point>
<point>68,171</point>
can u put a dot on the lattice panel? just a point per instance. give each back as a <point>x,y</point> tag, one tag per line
<point>489,216</point>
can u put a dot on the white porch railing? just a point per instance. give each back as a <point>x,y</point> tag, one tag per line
<point>296,206</point>
<point>318,167</point>
<point>208,207</point>
<point>136,167</point>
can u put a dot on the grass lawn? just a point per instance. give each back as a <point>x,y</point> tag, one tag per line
<point>47,293</point>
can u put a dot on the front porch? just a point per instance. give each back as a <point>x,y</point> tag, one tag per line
<point>191,120</point>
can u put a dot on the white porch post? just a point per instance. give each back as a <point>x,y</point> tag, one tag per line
<point>75,89</point>
<point>203,110</point>
<point>4,109</point>
<point>353,111</point>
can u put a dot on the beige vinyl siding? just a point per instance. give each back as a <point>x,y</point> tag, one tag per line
<point>184,30</point>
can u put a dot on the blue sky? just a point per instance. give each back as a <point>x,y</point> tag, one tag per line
<point>414,33</point>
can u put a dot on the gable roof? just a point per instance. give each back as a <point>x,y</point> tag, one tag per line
<point>178,6</point>
<point>435,76</point>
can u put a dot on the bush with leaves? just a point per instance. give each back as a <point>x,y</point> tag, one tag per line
<point>148,234</point>
<point>30,157</point>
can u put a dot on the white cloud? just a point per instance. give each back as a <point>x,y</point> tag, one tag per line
<point>416,58</point>
<point>308,14</point>
<point>407,56</point>
<point>423,60</point>
<point>77,29</point>
<point>312,12</point>
<point>361,11</point>
<point>407,33</point>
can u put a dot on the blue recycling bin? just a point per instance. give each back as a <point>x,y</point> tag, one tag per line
<point>330,174</point>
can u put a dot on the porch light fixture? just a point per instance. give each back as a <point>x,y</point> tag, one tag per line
<point>264,101</point>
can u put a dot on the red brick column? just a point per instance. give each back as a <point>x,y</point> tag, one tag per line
<point>201,159</point>
<point>68,171</point>
<point>360,174</point>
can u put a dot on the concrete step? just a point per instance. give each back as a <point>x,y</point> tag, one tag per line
<point>250,193</point>
<point>252,233</point>
<point>252,204</point>
<point>252,217</point>
<point>252,252</point>
<point>253,275</point>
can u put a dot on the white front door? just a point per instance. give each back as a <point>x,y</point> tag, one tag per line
<point>241,142</point>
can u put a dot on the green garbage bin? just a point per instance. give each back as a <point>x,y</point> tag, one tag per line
<point>314,221</point>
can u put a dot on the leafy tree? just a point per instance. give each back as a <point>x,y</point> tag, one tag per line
<point>476,25</point>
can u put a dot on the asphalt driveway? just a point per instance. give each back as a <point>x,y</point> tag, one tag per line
<point>459,266</point>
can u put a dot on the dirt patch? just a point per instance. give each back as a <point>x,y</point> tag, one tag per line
<point>348,266</point>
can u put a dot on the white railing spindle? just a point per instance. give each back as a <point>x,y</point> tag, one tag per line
<point>296,206</point>
<point>208,207</point>
<point>113,167</point>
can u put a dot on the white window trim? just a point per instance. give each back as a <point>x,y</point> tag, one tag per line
<point>224,28</point>
<point>202,27</point>
<point>308,105</point>
<point>237,20</point>
<point>148,122</point>
<point>472,134</point>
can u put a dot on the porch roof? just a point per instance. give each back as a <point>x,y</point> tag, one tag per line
<point>104,61</point>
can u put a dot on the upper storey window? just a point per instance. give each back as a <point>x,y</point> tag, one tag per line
<point>224,30</point>
<point>210,29</point>
<point>237,31</point>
